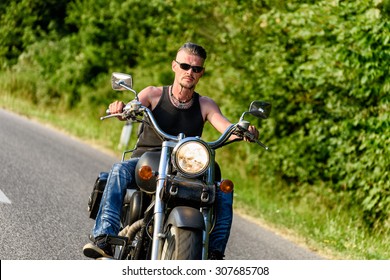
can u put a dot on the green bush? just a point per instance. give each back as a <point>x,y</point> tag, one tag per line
<point>325,69</point>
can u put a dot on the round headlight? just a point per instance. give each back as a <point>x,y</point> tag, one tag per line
<point>191,157</point>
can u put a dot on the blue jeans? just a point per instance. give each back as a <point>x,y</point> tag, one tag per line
<point>121,177</point>
<point>224,212</point>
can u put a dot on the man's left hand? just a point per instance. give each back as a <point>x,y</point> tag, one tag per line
<point>252,130</point>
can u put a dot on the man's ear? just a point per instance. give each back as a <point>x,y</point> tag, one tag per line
<point>173,65</point>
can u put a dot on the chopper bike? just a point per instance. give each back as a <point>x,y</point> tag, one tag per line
<point>171,212</point>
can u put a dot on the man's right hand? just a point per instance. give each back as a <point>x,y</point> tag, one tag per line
<point>116,107</point>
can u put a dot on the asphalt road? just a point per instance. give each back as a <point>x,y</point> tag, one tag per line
<point>45,181</point>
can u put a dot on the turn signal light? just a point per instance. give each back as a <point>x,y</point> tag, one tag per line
<point>145,172</point>
<point>226,186</point>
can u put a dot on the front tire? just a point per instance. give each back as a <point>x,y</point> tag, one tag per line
<point>182,244</point>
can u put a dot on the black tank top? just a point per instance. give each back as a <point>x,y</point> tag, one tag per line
<point>171,120</point>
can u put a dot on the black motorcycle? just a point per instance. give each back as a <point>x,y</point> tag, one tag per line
<point>170,214</point>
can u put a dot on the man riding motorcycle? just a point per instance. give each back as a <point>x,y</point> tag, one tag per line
<point>177,108</point>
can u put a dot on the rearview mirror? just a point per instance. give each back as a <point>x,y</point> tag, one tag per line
<point>261,109</point>
<point>121,81</point>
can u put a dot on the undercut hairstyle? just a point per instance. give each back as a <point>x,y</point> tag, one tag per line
<point>194,49</point>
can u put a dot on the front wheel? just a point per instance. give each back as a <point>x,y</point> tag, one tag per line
<point>182,244</point>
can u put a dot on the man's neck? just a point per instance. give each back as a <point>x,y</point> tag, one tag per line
<point>181,93</point>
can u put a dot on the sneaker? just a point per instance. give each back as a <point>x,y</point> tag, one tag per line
<point>99,249</point>
<point>216,255</point>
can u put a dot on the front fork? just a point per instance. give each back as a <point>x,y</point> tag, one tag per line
<point>208,212</point>
<point>159,207</point>
<point>206,233</point>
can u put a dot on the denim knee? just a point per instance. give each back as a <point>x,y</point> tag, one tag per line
<point>224,217</point>
<point>119,179</point>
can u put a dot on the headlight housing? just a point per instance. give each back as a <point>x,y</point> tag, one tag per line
<point>191,157</point>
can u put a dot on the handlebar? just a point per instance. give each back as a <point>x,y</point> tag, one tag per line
<point>135,108</point>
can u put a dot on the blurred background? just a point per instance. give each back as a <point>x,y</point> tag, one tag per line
<point>324,66</point>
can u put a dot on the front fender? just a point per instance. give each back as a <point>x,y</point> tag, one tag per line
<point>183,216</point>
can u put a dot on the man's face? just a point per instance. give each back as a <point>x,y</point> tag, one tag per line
<point>187,78</point>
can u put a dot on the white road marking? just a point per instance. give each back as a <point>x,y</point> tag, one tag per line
<point>4,198</point>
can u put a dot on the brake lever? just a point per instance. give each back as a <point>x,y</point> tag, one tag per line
<point>262,145</point>
<point>252,138</point>
<point>111,116</point>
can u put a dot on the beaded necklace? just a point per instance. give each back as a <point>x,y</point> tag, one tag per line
<point>180,104</point>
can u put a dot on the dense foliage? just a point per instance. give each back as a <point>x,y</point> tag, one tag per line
<point>324,65</point>
<point>326,69</point>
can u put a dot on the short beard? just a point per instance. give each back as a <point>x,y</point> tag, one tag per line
<point>184,87</point>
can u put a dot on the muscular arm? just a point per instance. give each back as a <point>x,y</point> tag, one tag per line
<point>212,113</point>
<point>148,97</point>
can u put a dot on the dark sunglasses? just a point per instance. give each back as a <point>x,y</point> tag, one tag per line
<point>185,66</point>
